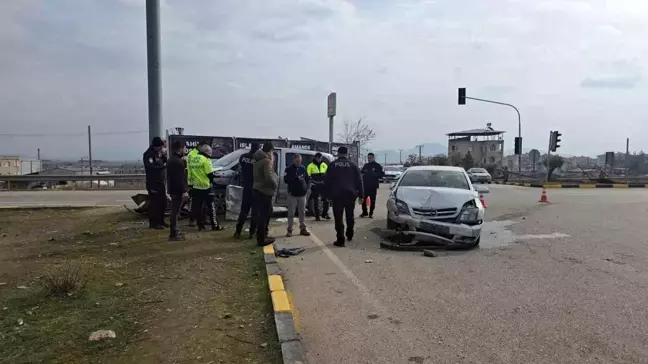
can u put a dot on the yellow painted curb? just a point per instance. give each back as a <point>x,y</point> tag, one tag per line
<point>552,186</point>
<point>275,283</point>
<point>586,185</point>
<point>280,301</point>
<point>268,249</point>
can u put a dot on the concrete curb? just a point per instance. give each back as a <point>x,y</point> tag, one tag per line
<point>291,348</point>
<point>576,185</point>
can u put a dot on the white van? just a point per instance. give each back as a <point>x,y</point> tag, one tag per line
<point>226,171</point>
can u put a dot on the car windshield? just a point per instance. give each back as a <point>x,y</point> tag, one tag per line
<point>434,178</point>
<point>393,169</point>
<point>478,170</point>
<point>229,158</point>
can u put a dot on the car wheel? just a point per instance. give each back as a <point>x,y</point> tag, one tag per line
<point>489,182</point>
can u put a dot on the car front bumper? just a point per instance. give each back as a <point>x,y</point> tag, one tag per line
<point>481,179</point>
<point>437,231</point>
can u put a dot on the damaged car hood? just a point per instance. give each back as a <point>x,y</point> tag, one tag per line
<point>434,197</point>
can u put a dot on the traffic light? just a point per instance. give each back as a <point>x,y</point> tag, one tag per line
<point>518,145</point>
<point>462,96</point>
<point>554,140</point>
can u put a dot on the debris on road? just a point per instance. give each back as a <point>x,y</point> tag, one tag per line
<point>429,253</point>
<point>289,252</point>
<point>102,334</point>
<point>368,261</point>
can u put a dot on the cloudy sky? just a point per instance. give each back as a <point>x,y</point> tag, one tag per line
<point>264,68</point>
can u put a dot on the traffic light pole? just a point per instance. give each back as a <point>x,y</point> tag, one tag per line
<point>549,154</point>
<point>519,125</point>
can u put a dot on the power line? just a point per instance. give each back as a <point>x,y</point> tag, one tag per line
<point>31,135</point>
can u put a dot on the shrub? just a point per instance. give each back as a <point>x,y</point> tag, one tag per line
<point>68,281</point>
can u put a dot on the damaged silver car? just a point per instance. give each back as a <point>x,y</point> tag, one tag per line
<point>437,204</point>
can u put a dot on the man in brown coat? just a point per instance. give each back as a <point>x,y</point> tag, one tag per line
<point>265,186</point>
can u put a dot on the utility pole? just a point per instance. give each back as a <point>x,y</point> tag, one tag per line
<point>38,153</point>
<point>385,158</point>
<point>153,67</point>
<point>400,156</point>
<point>90,151</point>
<point>420,147</point>
<point>627,158</point>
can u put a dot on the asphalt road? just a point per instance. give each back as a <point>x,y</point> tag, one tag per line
<point>559,283</point>
<point>67,198</point>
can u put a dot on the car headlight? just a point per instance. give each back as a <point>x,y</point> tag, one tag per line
<point>469,213</point>
<point>402,208</point>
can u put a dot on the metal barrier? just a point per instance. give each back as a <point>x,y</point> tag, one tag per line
<point>62,182</point>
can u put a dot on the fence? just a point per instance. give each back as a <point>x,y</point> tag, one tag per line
<point>73,182</point>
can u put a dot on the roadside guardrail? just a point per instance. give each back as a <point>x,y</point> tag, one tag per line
<point>71,182</point>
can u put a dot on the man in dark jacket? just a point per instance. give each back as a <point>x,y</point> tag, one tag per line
<point>177,185</point>
<point>343,186</point>
<point>265,186</point>
<point>296,180</point>
<point>154,166</point>
<point>246,173</point>
<point>372,172</point>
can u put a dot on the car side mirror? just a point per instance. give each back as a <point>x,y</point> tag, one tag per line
<point>481,189</point>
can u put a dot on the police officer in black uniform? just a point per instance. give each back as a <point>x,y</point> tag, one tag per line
<point>343,185</point>
<point>372,172</point>
<point>154,166</point>
<point>246,165</point>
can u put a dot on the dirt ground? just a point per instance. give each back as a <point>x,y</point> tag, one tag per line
<point>204,300</point>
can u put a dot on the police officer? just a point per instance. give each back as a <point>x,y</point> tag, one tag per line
<point>316,171</point>
<point>343,185</point>
<point>192,153</point>
<point>154,165</point>
<point>202,174</point>
<point>372,172</point>
<point>246,168</point>
<point>177,185</point>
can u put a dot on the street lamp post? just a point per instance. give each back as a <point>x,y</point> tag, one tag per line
<point>462,101</point>
<point>153,68</point>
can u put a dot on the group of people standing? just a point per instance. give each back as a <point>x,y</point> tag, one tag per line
<point>189,177</point>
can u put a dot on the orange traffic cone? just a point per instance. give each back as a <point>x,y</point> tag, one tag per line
<point>543,197</point>
<point>483,202</point>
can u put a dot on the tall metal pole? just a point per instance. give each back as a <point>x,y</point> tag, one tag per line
<point>519,124</point>
<point>38,153</point>
<point>627,158</point>
<point>331,134</point>
<point>90,151</point>
<point>400,156</point>
<point>549,155</point>
<point>153,66</point>
<point>420,147</point>
<point>385,158</point>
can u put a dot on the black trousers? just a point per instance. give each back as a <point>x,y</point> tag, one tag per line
<point>176,205</point>
<point>246,206</point>
<point>372,195</point>
<point>191,215</point>
<point>157,206</point>
<point>341,207</point>
<point>262,209</point>
<point>316,196</point>
<point>203,199</point>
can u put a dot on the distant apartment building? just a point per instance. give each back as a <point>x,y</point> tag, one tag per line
<point>486,146</point>
<point>16,166</point>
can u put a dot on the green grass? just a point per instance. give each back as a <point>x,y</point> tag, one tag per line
<point>169,306</point>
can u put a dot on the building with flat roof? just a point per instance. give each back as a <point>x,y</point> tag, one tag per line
<point>486,146</point>
<point>16,166</point>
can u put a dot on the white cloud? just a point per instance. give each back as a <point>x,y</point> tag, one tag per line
<point>244,67</point>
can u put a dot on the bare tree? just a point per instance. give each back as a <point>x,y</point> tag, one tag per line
<point>357,131</point>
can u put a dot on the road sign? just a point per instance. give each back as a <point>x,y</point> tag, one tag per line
<point>332,104</point>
